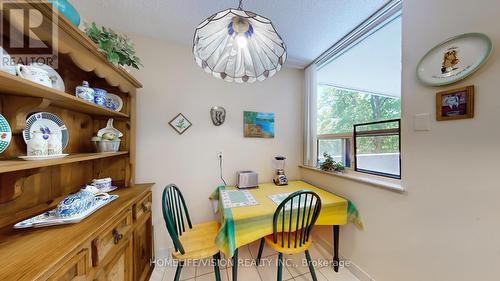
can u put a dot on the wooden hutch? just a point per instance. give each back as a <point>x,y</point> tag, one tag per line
<point>114,243</point>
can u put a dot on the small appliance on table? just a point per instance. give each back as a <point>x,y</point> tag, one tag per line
<point>247,179</point>
<point>280,177</point>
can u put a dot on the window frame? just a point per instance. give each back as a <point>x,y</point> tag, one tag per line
<point>376,133</point>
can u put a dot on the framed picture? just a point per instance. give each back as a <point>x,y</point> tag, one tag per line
<point>258,124</point>
<point>180,123</point>
<point>455,104</point>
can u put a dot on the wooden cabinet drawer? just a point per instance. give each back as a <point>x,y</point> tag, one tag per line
<point>75,269</point>
<point>108,241</point>
<point>142,206</point>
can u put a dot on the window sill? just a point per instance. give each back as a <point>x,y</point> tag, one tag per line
<point>390,184</point>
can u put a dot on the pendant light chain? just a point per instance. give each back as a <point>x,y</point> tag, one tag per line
<point>240,6</point>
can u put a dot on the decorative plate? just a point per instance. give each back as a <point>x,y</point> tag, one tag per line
<point>57,81</point>
<point>50,218</point>
<point>114,102</point>
<point>454,59</point>
<point>43,157</point>
<point>42,120</point>
<point>5,134</point>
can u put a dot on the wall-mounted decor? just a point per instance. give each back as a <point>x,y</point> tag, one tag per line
<point>455,104</point>
<point>218,114</point>
<point>258,124</point>
<point>454,59</point>
<point>180,123</point>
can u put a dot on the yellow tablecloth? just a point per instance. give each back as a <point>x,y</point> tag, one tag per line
<point>243,225</point>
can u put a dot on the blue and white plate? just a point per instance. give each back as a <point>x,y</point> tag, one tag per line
<point>114,102</point>
<point>51,218</point>
<point>41,121</point>
<point>5,134</point>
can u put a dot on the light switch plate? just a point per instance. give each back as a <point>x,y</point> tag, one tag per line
<point>422,122</point>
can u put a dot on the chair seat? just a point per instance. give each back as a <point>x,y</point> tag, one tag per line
<point>198,242</point>
<point>285,249</point>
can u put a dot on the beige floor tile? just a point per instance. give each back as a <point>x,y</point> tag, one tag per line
<point>211,276</point>
<point>268,270</point>
<point>245,273</point>
<point>308,277</point>
<point>343,275</point>
<point>296,264</point>
<point>254,249</point>
<point>157,274</point>
<point>204,267</point>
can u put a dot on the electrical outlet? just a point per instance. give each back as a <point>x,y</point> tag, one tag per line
<point>220,154</point>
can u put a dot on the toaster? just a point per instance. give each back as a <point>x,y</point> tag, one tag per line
<point>247,179</point>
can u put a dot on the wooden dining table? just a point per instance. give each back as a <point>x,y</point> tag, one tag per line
<point>245,224</point>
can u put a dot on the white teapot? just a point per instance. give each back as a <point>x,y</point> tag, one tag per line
<point>34,74</point>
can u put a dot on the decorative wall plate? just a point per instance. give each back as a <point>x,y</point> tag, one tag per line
<point>5,134</point>
<point>43,157</point>
<point>57,81</point>
<point>42,120</point>
<point>454,59</point>
<point>114,102</point>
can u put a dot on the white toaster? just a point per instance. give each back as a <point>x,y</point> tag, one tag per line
<point>247,179</point>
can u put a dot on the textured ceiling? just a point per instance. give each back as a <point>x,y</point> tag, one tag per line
<point>308,27</point>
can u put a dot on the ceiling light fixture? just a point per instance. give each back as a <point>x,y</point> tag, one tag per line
<point>237,45</point>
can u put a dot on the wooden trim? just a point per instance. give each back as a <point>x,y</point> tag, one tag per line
<point>19,164</point>
<point>470,103</point>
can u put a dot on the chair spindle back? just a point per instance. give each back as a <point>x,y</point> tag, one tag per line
<point>175,214</point>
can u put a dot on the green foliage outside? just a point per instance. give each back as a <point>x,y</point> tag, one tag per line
<point>340,109</point>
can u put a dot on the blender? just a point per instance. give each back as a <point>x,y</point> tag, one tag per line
<point>280,178</point>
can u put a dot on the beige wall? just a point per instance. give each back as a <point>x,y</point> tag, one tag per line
<point>446,227</point>
<point>173,83</point>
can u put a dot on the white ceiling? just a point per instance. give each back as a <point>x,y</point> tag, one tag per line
<point>308,27</point>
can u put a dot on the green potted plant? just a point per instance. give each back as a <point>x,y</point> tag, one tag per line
<point>330,165</point>
<point>119,49</point>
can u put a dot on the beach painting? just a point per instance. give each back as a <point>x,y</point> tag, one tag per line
<point>258,124</point>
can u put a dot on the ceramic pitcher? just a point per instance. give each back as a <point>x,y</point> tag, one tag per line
<point>54,144</point>
<point>37,145</point>
<point>34,74</point>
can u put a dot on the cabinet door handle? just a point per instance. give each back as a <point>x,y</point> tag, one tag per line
<point>117,236</point>
<point>146,206</point>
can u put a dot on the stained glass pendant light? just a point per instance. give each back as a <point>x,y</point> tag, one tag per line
<point>237,45</point>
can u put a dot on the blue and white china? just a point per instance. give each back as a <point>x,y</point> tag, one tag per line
<point>65,8</point>
<point>102,183</point>
<point>100,96</point>
<point>78,203</point>
<point>6,63</point>
<point>48,124</point>
<point>85,92</point>
<point>114,102</point>
<point>5,134</point>
<point>34,74</point>
<point>51,218</point>
<point>56,80</point>
<point>37,145</point>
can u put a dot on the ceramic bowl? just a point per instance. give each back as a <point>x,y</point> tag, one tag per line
<point>102,183</point>
<point>76,204</point>
<point>100,96</point>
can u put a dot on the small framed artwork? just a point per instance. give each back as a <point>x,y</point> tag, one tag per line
<point>180,123</point>
<point>455,104</point>
<point>258,124</point>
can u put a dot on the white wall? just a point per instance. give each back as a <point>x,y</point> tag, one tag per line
<point>446,226</point>
<point>173,83</point>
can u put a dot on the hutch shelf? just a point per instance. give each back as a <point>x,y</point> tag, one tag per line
<point>114,243</point>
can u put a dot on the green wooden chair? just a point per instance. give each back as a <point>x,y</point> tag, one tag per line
<point>292,224</point>
<point>191,242</point>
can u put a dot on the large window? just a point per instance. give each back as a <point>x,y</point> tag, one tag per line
<point>357,88</point>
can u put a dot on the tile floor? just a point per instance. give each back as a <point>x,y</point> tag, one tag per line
<point>294,270</point>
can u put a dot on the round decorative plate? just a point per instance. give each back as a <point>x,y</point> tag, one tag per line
<point>43,157</point>
<point>114,102</point>
<point>454,59</point>
<point>57,81</point>
<point>42,120</point>
<point>5,134</point>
